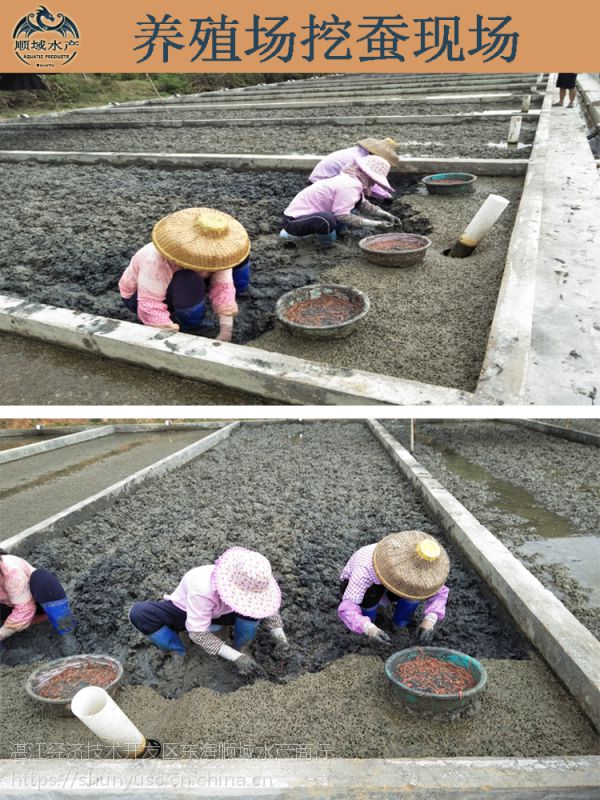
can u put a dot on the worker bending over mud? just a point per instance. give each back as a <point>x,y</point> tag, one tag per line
<point>29,596</point>
<point>334,163</point>
<point>166,281</point>
<point>401,571</point>
<point>325,208</point>
<point>237,591</point>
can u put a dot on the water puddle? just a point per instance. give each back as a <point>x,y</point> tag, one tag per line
<point>580,555</point>
<point>536,519</point>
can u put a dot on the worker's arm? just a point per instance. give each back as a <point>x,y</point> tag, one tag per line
<point>16,585</point>
<point>154,277</point>
<point>221,294</point>
<point>350,612</point>
<point>379,213</point>
<point>434,611</point>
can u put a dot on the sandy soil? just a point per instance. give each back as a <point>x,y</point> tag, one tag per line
<point>473,139</point>
<point>560,475</point>
<point>307,496</point>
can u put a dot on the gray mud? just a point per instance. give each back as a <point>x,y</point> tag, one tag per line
<point>38,373</point>
<point>560,475</point>
<point>351,108</point>
<point>344,711</point>
<point>77,228</point>
<point>429,322</point>
<point>306,496</point>
<point>467,140</point>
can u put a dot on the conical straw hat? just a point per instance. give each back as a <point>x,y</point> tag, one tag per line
<point>201,239</point>
<point>411,564</point>
<point>385,148</point>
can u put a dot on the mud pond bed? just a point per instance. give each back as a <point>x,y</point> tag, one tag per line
<point>472,139</point>
<point>76,228</point>
<point>537,493</point>
<point>307,496</point>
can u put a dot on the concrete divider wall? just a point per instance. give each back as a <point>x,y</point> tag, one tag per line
<point>569,648</point>
<point>272,375</point>
<point>83,510</point>
<point>567,778</point>
<point>27,450</point>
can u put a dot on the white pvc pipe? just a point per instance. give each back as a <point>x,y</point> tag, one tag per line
<point>481,223</point>
<point>99,712</point>
<point>485,218</point>
<point>514,129</point>
<point>526,102</point>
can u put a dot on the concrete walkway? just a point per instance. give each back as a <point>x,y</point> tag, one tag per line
<point>37,487</point>
<point>564,362</point>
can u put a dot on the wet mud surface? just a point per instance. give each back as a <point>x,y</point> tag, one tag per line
<point>37,373</point>
<point>429,322</point>
<point>538,494</point>
<point>350,108</point>
<point>77,228</point>
<point>470,139</point>
<point>306,496</point>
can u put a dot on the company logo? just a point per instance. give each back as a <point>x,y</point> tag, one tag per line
<point>44,40</point>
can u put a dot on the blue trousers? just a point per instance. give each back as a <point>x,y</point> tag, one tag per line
<point>150,616</point>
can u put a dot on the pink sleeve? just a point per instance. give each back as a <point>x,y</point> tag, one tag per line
<point>154,278</point>
<point>349,610</point>
<point>199,609</point>
<point>437,604</point>
<point>221,293</point>
<point>16,585</point>
<point>379,191</point>
<point>351,615</point>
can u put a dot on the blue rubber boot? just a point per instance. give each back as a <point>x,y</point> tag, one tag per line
<point>404,612</point>
<point>288,237</point>
<point>371,613</point>
<point>244,631</point>
<point>241,277</point>
<point>167,639</point>
<point>60,615</point>
<point>326,239</point>
<point>190,318</point>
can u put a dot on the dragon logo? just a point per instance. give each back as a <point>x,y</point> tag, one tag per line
<point>45,40</point>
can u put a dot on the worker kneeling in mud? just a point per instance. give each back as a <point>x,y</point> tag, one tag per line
<point>324,209</point>
<point>401,570</point>
<point>29,596</point>
<point>334,163</point>
<point>238,590</point>
<point>166,281</point>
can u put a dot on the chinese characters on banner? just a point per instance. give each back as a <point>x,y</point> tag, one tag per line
<point>373,38</point>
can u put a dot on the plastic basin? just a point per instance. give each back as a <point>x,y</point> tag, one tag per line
<point>323,310</point>
<point>95,670</point>
<point>395,249</point>
<point>423,701</point>
<point>450,183</point>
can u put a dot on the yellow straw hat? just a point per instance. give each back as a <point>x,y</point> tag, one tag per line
<point>411,564</point>
<point>201,239</point>
<point>385,148</point>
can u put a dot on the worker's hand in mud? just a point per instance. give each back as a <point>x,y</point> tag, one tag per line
<point>397,222</point>
<point>282,648</point>
<point>373,632</point>
<point>225,329</point>
<point>386,224</point>
<point>425,632</point>
<point>168,326</point>
<point>248,667</point>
